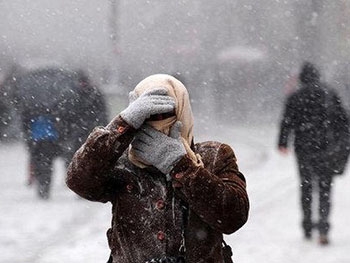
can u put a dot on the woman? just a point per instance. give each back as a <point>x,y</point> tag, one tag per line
<point>172,199</point>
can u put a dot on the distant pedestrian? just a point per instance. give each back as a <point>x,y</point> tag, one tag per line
<point>58,108</point>
<point>41,136</point>
<point>314,114</point>
<point>88,110</point>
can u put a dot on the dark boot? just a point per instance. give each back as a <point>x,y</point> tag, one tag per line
<point>44,181</point>
<point>307,227</point>
<point>323,240</point>
<point>44,190</point>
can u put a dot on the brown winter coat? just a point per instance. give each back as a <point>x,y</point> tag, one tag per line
<point>151,211</point>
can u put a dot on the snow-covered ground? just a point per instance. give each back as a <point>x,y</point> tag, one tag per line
<point>69,229</point>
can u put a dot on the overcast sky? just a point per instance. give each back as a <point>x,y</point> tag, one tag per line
<point>55,30</point>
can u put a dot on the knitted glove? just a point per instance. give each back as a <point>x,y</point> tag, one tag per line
<point>152,102</point>
<point>158,149</point>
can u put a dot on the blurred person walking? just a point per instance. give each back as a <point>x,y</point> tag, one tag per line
<point>172,200</point>
<point>315,116</point>
<point>37,95</point>
<point>87,110</point>
<point>41,136</point>
<point>58,109</point>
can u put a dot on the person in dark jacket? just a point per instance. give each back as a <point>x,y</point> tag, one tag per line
<point>41,136</point>
<point>307,116</point>
<point>87,110</point>
<point>172,200</point>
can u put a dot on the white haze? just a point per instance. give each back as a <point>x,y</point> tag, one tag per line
<point>235,57</point>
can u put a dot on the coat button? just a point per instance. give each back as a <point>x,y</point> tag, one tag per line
<point>160,235</point>
<point>160,204</point>
<point>120,129</point>
<point>129,187</point>
<point>179,175</point>
<point>177,184</point>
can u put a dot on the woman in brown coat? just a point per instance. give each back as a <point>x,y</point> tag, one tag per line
<point>172,199</point>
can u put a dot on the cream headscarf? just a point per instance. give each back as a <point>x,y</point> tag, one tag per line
<point>182,110</point>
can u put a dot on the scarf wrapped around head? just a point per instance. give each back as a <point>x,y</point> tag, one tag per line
<point>183,113</point>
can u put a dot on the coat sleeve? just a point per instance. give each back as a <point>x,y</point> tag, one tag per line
<point>89,173</point>
<point>287,123</point>
<point>339,119</point>
<point>217,195</point>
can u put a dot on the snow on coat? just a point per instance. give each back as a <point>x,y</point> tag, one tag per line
<point>152,212</point>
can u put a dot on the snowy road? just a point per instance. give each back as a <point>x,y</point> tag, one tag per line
<point>69,229</point>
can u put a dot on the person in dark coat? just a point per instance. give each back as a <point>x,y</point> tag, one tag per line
<point>41,136</point>
<point>9,124</point>
<point>87,110</point>
<point>172,200</point>
<point>307,117</point>
<point>39,126</point>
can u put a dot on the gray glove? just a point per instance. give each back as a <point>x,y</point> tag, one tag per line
<point>152,102</point>
<point>158,149</point>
